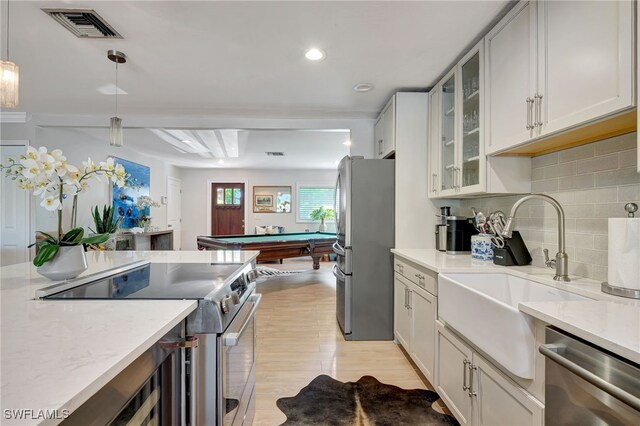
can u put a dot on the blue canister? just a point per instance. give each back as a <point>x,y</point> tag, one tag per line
<point>481,247</point>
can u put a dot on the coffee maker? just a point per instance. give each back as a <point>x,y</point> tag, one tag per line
<point>459,232</point>
<point>441,228</point>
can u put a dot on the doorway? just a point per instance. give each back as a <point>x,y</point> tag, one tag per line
<point>174,210</point>
<point>14,214</point>
<point>227,208</point>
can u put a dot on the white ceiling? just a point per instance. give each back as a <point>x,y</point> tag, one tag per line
<point>240,59</point>
<point>303,149</point>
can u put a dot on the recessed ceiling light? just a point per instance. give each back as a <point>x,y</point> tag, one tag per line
<point>221,161</point>
<point>347,143</point>
<point>188,142</point>
<point>314,54</point>
<point>363,87</point>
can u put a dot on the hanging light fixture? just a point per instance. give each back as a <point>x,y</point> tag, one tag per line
<point>116,122</point>
<point>9,77</point>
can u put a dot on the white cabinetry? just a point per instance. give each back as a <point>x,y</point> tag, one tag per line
<point>552,66</point>
<point>385,130</point>
<point>415,314</point>
<point>456,138</point>
<point>475,391</point>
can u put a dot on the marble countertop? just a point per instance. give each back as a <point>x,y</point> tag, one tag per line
<point>611,322</point>
<point>55,355</point>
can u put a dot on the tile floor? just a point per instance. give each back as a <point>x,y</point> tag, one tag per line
<point>299,339</point>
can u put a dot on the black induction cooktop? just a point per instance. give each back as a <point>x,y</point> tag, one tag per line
<point>157,281</point>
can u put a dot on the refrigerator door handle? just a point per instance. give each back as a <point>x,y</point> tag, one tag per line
<point>338,273</point>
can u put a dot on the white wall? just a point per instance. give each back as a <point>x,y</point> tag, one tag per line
<point>196,192</point>
<point>77,147</point>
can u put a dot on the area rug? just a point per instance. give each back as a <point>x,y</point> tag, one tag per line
<point>367,402</point>
<point>265,273</point>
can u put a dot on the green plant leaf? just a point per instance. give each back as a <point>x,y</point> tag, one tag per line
<point>95,239</point>
<point>45,254</point>
<point>74,236</point>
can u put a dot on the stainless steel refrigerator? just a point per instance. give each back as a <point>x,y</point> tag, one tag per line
<point>365,199</point>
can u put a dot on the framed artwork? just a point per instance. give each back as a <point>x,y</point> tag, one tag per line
<point>272,199</point>
<point>125,199</point>
<point>263,200</point>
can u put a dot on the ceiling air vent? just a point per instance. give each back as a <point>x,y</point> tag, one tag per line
<point>83,23</point>
<point>275,154</point>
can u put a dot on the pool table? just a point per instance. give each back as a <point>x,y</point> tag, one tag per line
<point>274,246</point>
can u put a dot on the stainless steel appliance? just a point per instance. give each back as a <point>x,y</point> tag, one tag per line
<point>222,376</point>
<point>441,229</point>
<point>586,385</point>
<point>148,392</point>
<point>365,194</point>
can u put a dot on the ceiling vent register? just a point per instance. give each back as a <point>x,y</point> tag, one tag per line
<point>275,154</point>
<point>83,23</point>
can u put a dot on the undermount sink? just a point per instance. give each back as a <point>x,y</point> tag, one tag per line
<point>484,309</point>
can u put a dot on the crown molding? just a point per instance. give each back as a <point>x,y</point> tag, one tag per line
<point>14,117</point>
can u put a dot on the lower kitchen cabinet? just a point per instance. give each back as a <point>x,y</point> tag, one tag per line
<point>401,312</point>
<point>475,391</point>
<point>414,323</point>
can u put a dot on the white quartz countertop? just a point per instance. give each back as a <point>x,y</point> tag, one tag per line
<point>611,322</point>
<point>613,326</point>
<point>54,355</point>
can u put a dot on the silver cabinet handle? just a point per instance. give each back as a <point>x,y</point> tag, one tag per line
<point>410,299</point>
<point>538,122</point>
<point>472,368</point>
<point>464,375</point>
<point>406,298</point>
<point>529,113</point>
<point>434,182</point>
<point>380,147</point>
<point>552,352</point>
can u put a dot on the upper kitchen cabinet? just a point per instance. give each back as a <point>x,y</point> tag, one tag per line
<point>385,130</point>
<point>456,138</point>
<point>553,66</point>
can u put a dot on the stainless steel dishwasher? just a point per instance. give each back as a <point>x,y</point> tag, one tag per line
<point>586,385</point>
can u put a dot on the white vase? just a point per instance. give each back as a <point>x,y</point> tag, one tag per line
<point>322,227</point>
<point>68,263</point>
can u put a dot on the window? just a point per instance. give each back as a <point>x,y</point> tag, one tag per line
<point>229,196</point>
<point>312,197</point>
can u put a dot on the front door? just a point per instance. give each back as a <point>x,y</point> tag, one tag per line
<point>227,208</point>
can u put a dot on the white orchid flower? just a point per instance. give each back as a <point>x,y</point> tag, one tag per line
<point>31,168</point>
<point>108,165</point>
<point>32,153</point>
<point>89,166</point>
<point>51,203</point>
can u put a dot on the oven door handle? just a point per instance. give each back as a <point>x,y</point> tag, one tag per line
<point>232,339</point>
<point>553,353</point>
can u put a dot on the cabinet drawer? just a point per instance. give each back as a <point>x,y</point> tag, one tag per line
<point>421,277</point>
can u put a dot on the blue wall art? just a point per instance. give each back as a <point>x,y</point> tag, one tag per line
<point>126,198</point>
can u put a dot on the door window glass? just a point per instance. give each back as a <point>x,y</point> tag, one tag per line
<point>220,196</point>
<point>237,196</point>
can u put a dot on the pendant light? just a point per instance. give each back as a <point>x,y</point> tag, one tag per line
<point>116,122</point>
<point>9,77</point>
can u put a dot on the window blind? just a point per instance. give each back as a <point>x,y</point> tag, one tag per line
<point>310,198</point>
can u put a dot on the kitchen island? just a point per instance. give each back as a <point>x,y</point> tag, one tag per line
<point>56,354</point>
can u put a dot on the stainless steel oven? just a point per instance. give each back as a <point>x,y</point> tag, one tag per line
<point>150,391</point>
<point>586,385</point>
<point>237,349</point>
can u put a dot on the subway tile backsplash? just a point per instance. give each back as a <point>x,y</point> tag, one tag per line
<point>592,183</point>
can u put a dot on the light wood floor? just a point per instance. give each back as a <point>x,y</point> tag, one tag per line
<point>299,339</point>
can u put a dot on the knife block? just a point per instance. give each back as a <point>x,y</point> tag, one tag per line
<point>513,253</point>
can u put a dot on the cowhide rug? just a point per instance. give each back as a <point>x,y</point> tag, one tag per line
<point>367,402</point>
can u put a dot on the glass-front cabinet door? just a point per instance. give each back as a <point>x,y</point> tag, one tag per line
<point>448,169</point>
<point>471,156</point>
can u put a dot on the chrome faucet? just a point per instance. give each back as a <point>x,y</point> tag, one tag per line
<point>561,262</point>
